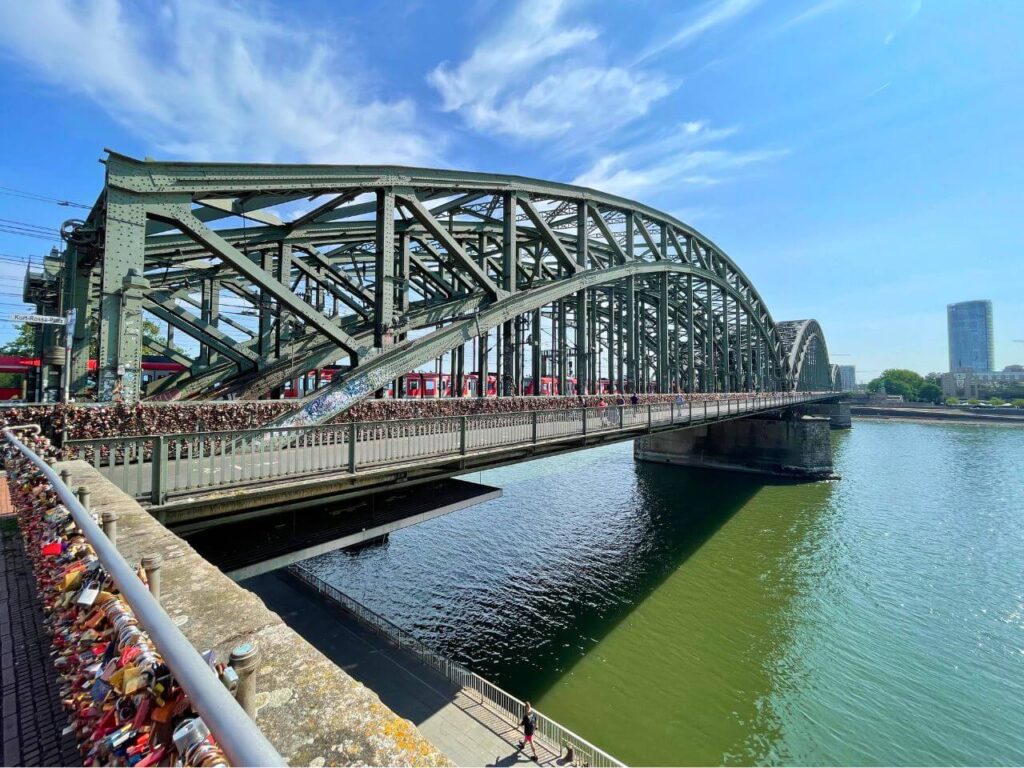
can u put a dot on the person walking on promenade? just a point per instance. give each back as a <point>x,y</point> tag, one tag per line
<point>529,725</point>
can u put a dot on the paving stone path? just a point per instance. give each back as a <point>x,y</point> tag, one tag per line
<point>30,709</point>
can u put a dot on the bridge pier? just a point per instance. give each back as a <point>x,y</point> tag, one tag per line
<point>838,413</point>
<point>786,445</point>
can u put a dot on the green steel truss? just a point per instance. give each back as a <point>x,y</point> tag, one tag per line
<point>384,269</point>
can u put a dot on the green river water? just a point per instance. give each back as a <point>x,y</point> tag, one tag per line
<point>679,616</point>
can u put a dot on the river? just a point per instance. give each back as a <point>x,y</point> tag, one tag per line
<point>678,616</point>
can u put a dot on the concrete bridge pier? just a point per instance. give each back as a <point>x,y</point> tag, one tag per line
<point>786,445</point>
<point>837,413</point>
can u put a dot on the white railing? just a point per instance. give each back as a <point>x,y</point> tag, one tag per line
<point>555,737</point>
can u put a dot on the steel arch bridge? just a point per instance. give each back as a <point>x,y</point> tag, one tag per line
<point>281,269</point>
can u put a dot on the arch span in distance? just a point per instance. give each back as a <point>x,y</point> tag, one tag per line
<point>279,269</point>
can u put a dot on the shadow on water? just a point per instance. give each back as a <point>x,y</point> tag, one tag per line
<point>676,511</point>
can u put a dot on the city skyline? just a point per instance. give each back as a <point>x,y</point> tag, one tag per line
<point>825,145</point>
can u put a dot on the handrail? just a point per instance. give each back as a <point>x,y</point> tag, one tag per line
<point>242,741</point>
<point>784,396</point>
<point>356,445</point>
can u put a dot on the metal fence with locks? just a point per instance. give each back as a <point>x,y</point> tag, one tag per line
<point>135,689</point>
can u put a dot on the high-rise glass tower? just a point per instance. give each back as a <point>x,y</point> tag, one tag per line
<point>971,345</point>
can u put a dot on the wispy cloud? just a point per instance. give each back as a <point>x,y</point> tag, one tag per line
<point>811,13</point>
<point>915,8</point>
<point>685,158</point>
<point>213,81</point>
<point>539,76</point>
<point>712,14</point>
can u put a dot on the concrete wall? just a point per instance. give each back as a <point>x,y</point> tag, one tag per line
<point>311,710</point>
<point>793,447</point>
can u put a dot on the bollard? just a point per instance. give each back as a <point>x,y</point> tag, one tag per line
<point>83,497</point>
<point>245,659</point>
<point>109,520</point>
<point>65,476</point>
<point>151,565</point>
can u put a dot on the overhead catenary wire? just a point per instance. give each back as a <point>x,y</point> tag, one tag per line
<point>26,195</point>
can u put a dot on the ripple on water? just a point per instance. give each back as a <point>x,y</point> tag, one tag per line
<point>679,617</point>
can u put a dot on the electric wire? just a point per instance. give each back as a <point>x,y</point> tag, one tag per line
<point>25,194</point>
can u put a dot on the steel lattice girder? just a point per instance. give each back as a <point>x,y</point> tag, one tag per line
<point>401,251</point>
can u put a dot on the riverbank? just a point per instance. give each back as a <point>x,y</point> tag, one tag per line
<point>924,413</point>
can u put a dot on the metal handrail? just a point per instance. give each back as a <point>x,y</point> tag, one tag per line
<point>357,445</point>
<point>785,397</point>
<point>497,697</point>
<point>242,741</point>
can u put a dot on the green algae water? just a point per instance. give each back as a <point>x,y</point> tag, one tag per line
<point>677,616</point>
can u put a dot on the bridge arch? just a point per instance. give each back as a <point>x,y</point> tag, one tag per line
<point>807,362</point>
<point>383,269</point>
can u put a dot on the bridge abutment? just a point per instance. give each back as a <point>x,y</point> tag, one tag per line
<point>790,446</point>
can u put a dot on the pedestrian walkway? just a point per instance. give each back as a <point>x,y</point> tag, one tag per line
<point>468,732</point>
<point>34,721</point>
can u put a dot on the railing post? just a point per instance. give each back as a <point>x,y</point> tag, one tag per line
<point>65,477</point>
<point>622,416</point>
<point>672,413</point>
<point>648,417</point>
<point>462,435</point>
<point>158,493</point>
<point>533,437</point>
<point>351,446</point>
<point>584,414</point>
<point>245,659</point>
<point>109,519</point>
<point>151,565</point>
<point>83,497</point>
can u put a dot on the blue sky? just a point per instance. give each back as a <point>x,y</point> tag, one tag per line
<point>861,161</point>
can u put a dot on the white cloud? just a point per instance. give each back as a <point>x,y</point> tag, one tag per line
<point>538,77</point>
<point>713,14</point>
<point>679,160</point>
<point>213,81</point>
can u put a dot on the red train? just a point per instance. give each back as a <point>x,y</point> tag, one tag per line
<point>153,368</point>
<point>417,384</point>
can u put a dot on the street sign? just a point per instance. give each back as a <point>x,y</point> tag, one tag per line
<point>24,317</point>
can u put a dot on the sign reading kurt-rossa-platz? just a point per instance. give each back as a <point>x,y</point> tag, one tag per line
<point>25,317</point>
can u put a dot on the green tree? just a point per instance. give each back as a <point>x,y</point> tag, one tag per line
<point>973,401</point>
<point>1018,402</point>
<point>23,344</point>
<point>952,401</point>
<point>150,333</point>
<point>996,401</point>
<point>929,393</point>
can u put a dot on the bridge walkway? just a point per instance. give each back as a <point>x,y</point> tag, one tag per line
<point>463,729</point>
<point>207,462</point>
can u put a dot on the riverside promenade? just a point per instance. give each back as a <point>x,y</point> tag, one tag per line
<point>467,732</point>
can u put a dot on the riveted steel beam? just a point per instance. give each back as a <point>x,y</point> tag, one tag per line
<point>183,218</point>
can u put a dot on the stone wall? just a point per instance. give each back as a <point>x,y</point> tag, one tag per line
<point>311,710</point>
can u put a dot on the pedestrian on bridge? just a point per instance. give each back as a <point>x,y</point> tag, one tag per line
<point>529,725</point>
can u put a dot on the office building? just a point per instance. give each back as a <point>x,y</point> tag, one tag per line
<point>971,345</point>
<point>848,377</point>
